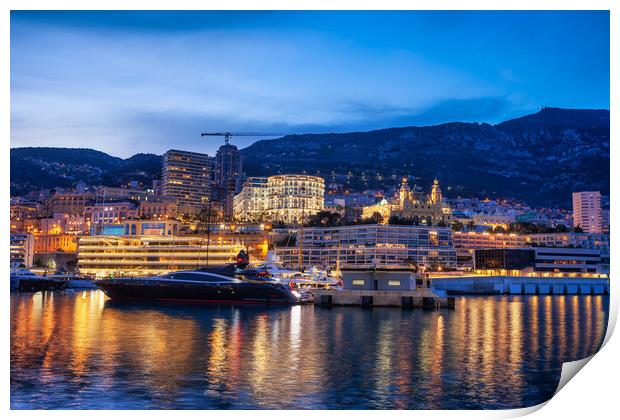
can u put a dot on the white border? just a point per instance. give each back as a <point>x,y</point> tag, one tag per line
<point>593,395</point>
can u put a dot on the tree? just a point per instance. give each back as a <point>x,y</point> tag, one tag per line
<point>441,223</point>
<point>457,226</point>
<point>325,219</point>
<point>578,229</point>
<point>499,229</point>
<point>395,220</point>
<point>376,218</point>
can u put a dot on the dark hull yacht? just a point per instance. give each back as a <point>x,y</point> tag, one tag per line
<point>231,283</point>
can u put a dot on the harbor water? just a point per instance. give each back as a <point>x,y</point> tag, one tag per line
<point>82,351</point>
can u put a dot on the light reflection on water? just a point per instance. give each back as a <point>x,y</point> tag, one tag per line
<point>83,351</point>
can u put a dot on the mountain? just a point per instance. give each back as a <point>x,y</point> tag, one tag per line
<point>48,167</point>
<point>540,158</point>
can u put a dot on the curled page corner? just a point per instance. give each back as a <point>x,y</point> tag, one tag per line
<point>569,370</point>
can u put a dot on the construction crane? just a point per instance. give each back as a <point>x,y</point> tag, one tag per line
<point>228,134</point>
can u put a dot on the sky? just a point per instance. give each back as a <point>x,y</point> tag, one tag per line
<point>149,81</point>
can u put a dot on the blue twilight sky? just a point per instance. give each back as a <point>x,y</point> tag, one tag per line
<point>129,82</point>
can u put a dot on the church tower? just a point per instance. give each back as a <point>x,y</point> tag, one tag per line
<point>436,193</point>
<point>404,194</point>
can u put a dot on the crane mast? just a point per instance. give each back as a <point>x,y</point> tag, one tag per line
<point>228,134</point>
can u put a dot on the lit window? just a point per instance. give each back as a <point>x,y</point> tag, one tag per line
<point>394,283</point>
<point>359,282</point>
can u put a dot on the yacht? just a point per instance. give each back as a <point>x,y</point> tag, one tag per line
<point>74,281</point>
<point>25,280</point>
<point>231,283</point>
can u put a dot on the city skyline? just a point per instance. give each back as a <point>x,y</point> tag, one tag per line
<point>97,77</point>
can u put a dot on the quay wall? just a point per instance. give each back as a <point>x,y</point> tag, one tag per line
<point>521,285</point>
<point>423,298</point>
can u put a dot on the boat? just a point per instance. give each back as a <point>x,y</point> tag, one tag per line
<point>313,278</point>
<point>231,283</point>
<point>25,280</point>
<point>74,281</point>
<point>277,269</point>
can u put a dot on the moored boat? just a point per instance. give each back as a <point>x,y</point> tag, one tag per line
<point>74,281</point>
<point>231,283</point>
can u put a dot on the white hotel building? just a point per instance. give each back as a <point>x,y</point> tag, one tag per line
<point>280,198</point>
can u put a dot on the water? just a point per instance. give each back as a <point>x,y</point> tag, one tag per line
<point>83,351</point>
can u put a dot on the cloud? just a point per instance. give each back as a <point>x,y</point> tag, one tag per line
<point>125,92</point>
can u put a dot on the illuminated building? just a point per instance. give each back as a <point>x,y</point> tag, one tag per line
<point>135,227</point>
<point>280,198</point>
<point>118,194</point>
<point>22,249</point>
<point>22,211</point>
<point>69,203</point>
<point>98,215</point>
<point>160,210</point>
<point>466,242</point>
<point>360,246</point>
<point>186,177</point>
<point>587,211</point>
<point>49,243</point>
<point>555,260</point>
<point>104,256</point>
<point>425,210</point>
<point>250,205</point>
<point>61,223</point>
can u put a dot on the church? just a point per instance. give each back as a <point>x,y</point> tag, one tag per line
<point>421,209</point>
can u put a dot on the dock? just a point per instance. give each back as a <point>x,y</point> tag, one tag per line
<point>424,298</point>
<point>521,285</point>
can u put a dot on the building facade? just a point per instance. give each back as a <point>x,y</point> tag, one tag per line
<point>587,211</point>
<point>422,210</point>
<point>49,243</point>
<point>101,214</point>
<point>159,210</point>
<point>104,256</point>
<point>186,177</point>
<point>69,203</point>
<point>467,242</point>
<point>290,199</point>
<point>228,164</point>
<point>365,246</point>
<point>538,260</point>
<point>251,204</point>
<point>22,249</point>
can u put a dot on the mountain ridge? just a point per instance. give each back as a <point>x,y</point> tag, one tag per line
<point>540,157</point>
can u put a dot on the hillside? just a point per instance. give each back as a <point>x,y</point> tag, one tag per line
<point>540,158</point>
<point>48,167</point>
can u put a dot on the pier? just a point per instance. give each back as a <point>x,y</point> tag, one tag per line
<point>424,298</point>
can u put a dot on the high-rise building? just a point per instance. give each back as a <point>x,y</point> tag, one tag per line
<point>228,165</point>
<point>587,211</point>
<point>227,176</point>
<point>186,177</point>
